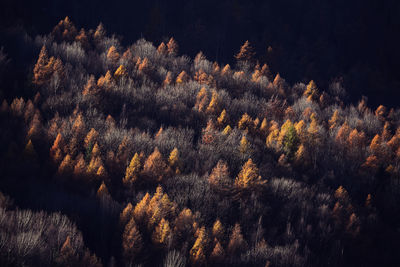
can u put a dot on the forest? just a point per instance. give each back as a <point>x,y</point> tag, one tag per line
<point>138,155</point>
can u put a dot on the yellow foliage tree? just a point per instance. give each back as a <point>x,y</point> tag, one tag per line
<point>120,72</point>
<point>219,177</point>
<point>182,77</point>
<point>246,52</point>
<point>236,241</point>
<point>162,234</point>
<point>223,118</point>
<point>248,176</point>
<point>197,253</point>
<point>112,54</point>
<point>218,230</point>
<point>132,171</point>
<point>155,168</point>
<point>173,47</point>
<point>213,107</point>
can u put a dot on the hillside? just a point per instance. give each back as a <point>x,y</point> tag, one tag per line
<point>137,155</point>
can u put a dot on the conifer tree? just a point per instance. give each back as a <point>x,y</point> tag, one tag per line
<point>172,47</point>
<point>197,253</point>
<point>155,168</point>
<point>133,170</point>
<point>162,234</point>
<point>248,176</point>
<point>246,52</point>
<point>236,241</point>
<point>219,177</point>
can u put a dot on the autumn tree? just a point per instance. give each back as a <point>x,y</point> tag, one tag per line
<point>183,77</point>
<point>311,91</point>
<point>132,171</point>
<point>246,52</point>
<point>162,234</point>
<point>236,241</point>
<point>219,177</point>
<point>172,46</point>
<point>218,230</point>
<point>197,253</point>
<point>132,242</point>
<point>214,105</point>
<point>120,72</point>
<point>112,54</point>
<point>155,168</point>
<point>40,72</point>
<point>248,176</point>
<point>162,49</point>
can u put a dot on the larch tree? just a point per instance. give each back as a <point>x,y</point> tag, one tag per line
<point>311,91</point>
<point>132,242</point>
<point>197,253</point>
<point>162,49</point>
<point>223,118</point>
<point>120,72</point>
<point>162,234</point>
<point>248,176</point>
<point>236,241</point>
<point>246,52</point>
<point>214,105</point>
<point>218,253</point>
<point>183,77</point>
<point>132,171</point>
<point>219,177</point>
<point>112,54</point>
<point>218,230</point>
<point>173,47</point>
<point>40,72</point>
<point>155,168</point>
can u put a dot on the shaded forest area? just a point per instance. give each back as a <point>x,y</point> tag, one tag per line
<point>137,155</point>
<point>356,41</point>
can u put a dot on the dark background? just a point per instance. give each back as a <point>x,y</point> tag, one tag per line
<point>356,41</point>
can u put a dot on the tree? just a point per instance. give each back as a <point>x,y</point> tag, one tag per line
<point>126,214</point>
<point>91,138</point>
<point>172,47</point>
<point>244,145</point>
<point>223,118</point>
<point>218,230</point>
<point>182,77</point>
<point>162,49</point>
<point>90,87</point>
<point>246,52</point>
<point>312,91</point>
<point>40,72</point>
<point>112,55</point>
<point>120,72</point>
<point>219,177</point>
<point>155,168</point>
<point>132,242</point>
<point>334,120</point>
<point>213,106</point>
<point>132,171</point>
<point>197,253</point>
<point>218,253</point>
<point>248,176</point>
<point>236,241</point>
<point>290,139</point>
<point>141,207</point>
<point>201,99</point>
<point>102,192</point>
<point>245,123</point>
<point>162,234</point>
<point>66,165</point>
<point>174,160</point>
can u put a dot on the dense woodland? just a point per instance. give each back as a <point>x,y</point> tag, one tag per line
<point>138,155</point>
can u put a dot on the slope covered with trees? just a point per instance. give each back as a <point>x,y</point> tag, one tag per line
<point>154,158</point>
